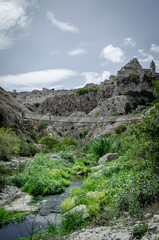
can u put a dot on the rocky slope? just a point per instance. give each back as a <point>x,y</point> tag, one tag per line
<point>11,112</point>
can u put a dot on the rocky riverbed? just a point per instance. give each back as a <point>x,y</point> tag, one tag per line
<point>123,229</point>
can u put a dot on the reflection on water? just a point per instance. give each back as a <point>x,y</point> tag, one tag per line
<point>49,209</point>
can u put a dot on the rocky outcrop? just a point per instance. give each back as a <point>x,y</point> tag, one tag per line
<point>80,209</point>
<point>113,105</point>
<point>12,112</point>
<point>13,199</point>
<point>108,157</point>
<point>122,229</point>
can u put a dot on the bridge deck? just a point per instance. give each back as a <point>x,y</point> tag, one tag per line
<point>68,119</point>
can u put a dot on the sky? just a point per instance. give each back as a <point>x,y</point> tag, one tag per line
<point>65,44</point>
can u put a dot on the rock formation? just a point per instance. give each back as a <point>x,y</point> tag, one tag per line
<point>108,99</point>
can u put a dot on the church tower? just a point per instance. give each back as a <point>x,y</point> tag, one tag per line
<point>153,68</point>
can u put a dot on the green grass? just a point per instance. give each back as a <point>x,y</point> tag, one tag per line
<point>10,216</point>
<point>43,176</point>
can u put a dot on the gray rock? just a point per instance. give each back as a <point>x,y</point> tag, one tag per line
<point>97,167</point>
<point>80,208</point>
<point>108,157</point>
<point>13,199</point>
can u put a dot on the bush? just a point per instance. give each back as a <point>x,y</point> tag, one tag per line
<point>68,156</point>
<point>73,222</point>
<point>98,147</point>
<point>139,193</point>
<point>128,108</point>
<point>9,143</point>
<point>49,142</point>
<point>27,149</point>
<point>140,229</point>
<point>82,91</point>
<point>83,133</point>
<point>33,135</point>
<point>120,129</point>
<point>134,78</point>
<point>41,125</point>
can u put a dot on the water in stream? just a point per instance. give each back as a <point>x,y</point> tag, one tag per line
<point>49,209</point>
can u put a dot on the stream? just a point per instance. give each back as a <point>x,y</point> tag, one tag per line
<point>49,210</point>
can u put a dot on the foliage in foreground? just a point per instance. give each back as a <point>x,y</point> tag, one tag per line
<point>43,176</point>
<point>69,223</point>
<point>7,216</point>
<point>12,144</point>
<point>129,183</point>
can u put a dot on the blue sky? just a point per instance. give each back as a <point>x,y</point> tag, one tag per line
<point>65,44</point>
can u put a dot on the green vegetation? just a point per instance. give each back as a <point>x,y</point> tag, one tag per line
<point>68,224</point>
<point>120,129</point>
<point>7,216</point>
<point>43,176</point>
<point>128,108</point>
<point>49,142</point>
<point>134,78</point>
<point>140,229</point>
<point>127,184</point>
<point>53,144</point>
<point>82,91</point>
<point>142,94</point>
<point>83,133</point>
<point>41,125</point>
<point>11,144</point>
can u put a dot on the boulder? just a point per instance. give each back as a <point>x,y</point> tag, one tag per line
<point>14,200</point>
<point>108,157</point>
<point>97,167</point>
<point>55,157</point>
<point>80,208</point>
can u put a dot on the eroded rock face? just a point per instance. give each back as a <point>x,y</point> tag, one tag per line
<point>114,104</point>
<point>13,199</point>
<point>108,157</point>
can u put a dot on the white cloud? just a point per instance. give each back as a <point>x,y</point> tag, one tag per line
<point>129,42</point>
<point>13,18</point>
<point>113,54</point>
<point>94,77</point>
<point>64,26</point>
<point>35,80</point>
<point>76,51</point>
<point>146,57</point>
<point>154,48</point>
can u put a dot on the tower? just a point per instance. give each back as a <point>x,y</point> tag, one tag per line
<point>153,68</point>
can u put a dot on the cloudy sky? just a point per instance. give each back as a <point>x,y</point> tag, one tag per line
<point>65,44</point>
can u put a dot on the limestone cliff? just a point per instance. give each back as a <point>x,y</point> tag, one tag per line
<point>132,85</point>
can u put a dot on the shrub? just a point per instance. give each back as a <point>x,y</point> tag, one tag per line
<point>127,108</point>
<point>82,91</point>
<point>33,135</point>
<point>27,149</point>
<point>68,156</point>
<point>49,142</point>
<point>140,229</point>
<point>83,133</point>
<point>41,125</point>
<point>73,222</point>
<point>9,143</point>
<point>98,147</point>
<point>134,78</point>
<point>120,129</point>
